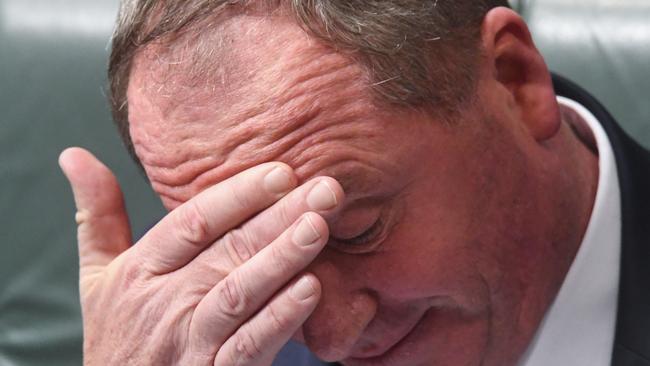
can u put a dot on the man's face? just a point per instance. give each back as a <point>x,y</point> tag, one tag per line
<point>429,257</point>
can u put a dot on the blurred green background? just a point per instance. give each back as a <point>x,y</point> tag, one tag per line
<point>52,75</point>
<point>52,78</point>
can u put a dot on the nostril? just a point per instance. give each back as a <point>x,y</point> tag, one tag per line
<point>367,349</point>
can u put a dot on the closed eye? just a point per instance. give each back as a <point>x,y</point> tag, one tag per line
<point>367,237</point>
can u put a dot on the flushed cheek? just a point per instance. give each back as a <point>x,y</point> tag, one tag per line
<point>429,254</point>
<point>456,302</point>
<point>413,267</point>
<point>436,282</point>
<point>456,329</point>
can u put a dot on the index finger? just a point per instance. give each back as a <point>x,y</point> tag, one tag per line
<point>186,231</point>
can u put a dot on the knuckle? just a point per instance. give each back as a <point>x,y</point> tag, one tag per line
<point>280,259</point>
<point>237,243</point>
<point>246,348</point>
<point>233,302</point>
<point>240,194</point>
<point>130,273</point>
<point>192,224</point>
<point>279,324</point>
<point>283,215</point>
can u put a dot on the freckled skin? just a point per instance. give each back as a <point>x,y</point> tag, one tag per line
<point>473,252</point>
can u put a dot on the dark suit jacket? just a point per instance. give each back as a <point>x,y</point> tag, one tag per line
<point>632,339</point>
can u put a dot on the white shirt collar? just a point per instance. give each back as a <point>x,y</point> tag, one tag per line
<point>578,329</point>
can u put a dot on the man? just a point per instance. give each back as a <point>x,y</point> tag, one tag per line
<point>387,182</point>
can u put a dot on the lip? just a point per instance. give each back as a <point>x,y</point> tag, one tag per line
<point>382,355</point>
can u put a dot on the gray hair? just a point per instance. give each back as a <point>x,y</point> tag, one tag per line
<point>417,53</point>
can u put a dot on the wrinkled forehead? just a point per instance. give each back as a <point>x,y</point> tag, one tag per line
<point>199,116</point>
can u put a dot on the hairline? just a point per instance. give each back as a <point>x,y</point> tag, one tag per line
<point>139,35</point>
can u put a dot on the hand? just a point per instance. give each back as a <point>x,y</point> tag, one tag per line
<point>218,281</point>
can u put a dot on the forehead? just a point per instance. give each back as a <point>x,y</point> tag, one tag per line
<point>199,116</point>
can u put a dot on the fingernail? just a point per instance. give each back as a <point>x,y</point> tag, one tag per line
<point>321,197</point>
<point>305,233</point>
<point>303,289</point>
<point>278,181</point>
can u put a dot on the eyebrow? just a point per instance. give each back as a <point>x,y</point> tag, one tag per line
<point>348,182</point>
<point>354,181</point>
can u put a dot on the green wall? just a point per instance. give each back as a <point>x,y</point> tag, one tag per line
<point>52,61</point>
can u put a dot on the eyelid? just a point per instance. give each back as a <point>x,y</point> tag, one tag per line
<point>356,218</point>
<point>381,229</point>
<point>364,238</point>
<point>388,217</point>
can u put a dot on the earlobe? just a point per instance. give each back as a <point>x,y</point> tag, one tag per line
<point>520,69</point>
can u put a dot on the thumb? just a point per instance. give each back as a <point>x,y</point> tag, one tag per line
<point>103,230</point>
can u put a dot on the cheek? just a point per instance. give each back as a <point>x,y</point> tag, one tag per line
<point>421,269</point>
<point>431,254</point>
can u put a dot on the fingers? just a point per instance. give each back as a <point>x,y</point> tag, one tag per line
<point>103,226</point>
<point>245,290</point>
<point>187,230</point>
<point>257,342</point>
<point>321,195</point>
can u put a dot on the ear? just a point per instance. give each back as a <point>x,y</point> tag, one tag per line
<point>518,66</point>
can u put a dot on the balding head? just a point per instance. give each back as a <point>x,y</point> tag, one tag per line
<point>419,53</point>
<point>286,98</point>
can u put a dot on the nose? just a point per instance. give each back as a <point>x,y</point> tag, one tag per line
<point>342,315</point>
